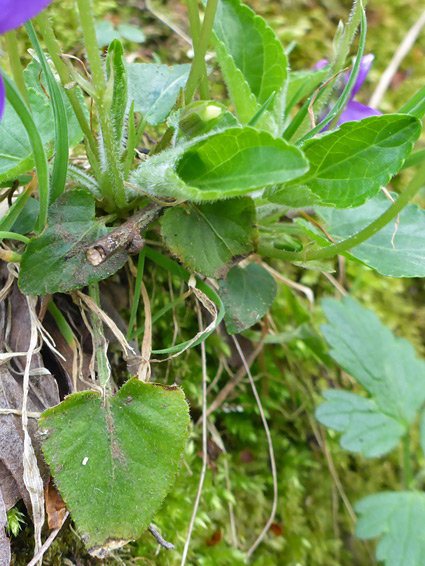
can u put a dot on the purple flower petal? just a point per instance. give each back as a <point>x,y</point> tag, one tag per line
<point>320,64</point>
<point>365,65</point>
<point>356,111</point>
<point>2,96</point>
<point>14,13</point>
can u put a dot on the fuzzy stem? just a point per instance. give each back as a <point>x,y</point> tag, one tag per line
<point>336,249</point>
<point>198,66</point>
<point>112,183</point>
<point>16,65</point>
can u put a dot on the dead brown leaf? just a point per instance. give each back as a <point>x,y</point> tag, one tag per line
<point>55,506</point>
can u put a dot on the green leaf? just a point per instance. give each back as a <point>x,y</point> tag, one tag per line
<point>293,196</point>
<point>105,33</point>
<point>253,63</point>
<point>238,161</point>
<point>399,519</point>
<point>34,79</point>
<point>61,152</point>
<point>230,163</point>
<point>405,259</point>
<point>208,237</point>
<point>366,428</point>
<point>16,154</point>
<point>383,364</point>
<point>349,165</point>
<point>115,459</point>
<point>154,89</point>
<point>247,295</point>
<point>55,261</point>
<point>302,84</point>
<point>131,33</point>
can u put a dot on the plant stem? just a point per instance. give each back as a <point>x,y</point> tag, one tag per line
<point>407,461</point>
<point>198,65</point>
<point>16,65</point>
<point>99,340</point>
<point>195,30</point>
<point>55,53</point>
<point>336,249</point>
<point>112,182</point>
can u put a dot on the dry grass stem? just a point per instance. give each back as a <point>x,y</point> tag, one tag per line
<point>270,520</point>
<point>144,371</point>
<point>204,442</point>
<point>39,556</point>
<point>401,52</point>
<point>32,478</point>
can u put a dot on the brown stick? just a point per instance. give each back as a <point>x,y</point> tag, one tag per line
<point>126,236</point>
<point>159,538</point>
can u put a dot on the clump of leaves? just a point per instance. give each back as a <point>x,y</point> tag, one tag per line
<point>219,184</point>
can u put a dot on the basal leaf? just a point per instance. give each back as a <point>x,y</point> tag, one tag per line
<point>349,165</point>
<point>115,459</point>
<point>398,519</point>
<point>366,428</point>
<point>405,259</point>
<point>230,163</point>
<point>208,237</point>
<point>253,62</point>
<point>247,295</point>
<point>154,89</point>
<point>55,261</point>
<point>383,364</point>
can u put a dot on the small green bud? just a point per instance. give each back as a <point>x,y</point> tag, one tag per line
<point>200,117</point>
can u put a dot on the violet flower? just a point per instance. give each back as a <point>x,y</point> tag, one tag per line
<point>14,13</point>
<point>355,111</point>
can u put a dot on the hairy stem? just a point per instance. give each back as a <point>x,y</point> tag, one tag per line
<point>112,182</point>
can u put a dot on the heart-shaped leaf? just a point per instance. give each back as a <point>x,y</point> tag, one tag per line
<point>349,165</point>
<point>247,295</point>
<point>55,261</point>
<point>115,459</point>
<point>230,163</point>
<point>253,63</point>
<point>209,237</point>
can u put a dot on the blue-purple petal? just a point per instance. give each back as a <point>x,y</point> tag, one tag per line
<point>356,111</point>
<point>365,65</point>
<point>14,13</point>
<point>2,97</point>
<point>320,64</point>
